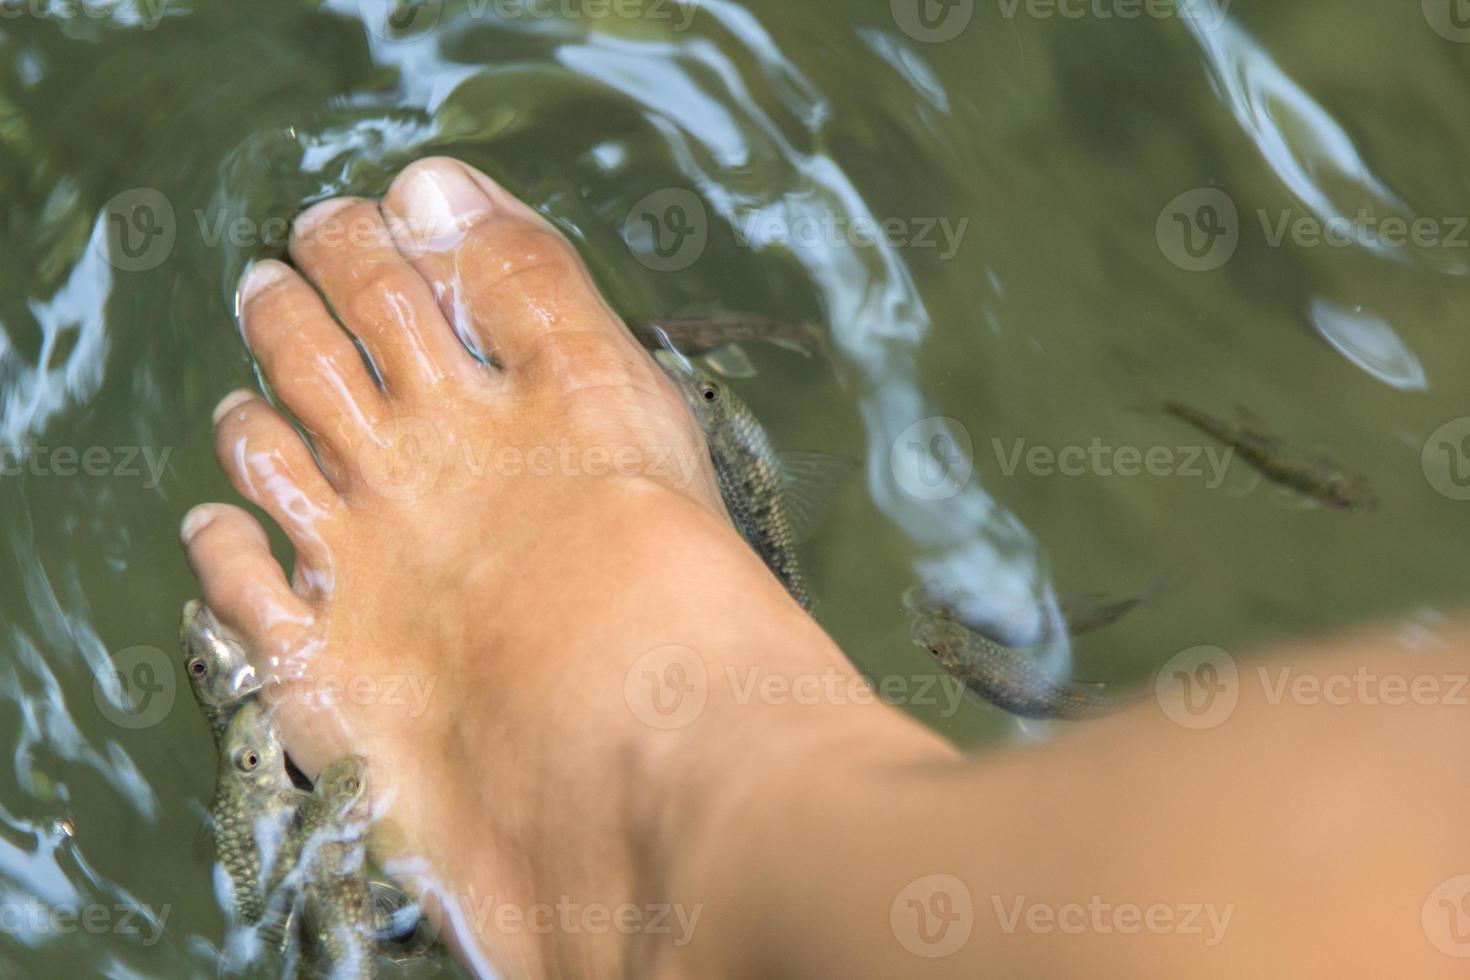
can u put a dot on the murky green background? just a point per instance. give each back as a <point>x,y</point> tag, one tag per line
<point>147,155</point>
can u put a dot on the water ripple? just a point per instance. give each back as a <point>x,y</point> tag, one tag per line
<point>1369,341</point>
<point>1310,152</point>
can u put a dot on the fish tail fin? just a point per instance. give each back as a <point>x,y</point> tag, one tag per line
<point>1137,390</point>
<point>1175,577</point>
<point>795,346</point>
<point>822,344</point>
<point>1094,699</point>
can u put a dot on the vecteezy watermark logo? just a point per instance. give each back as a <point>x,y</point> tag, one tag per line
<point>1209,14</point>
<point>143,463</point>
<point>1199,687</point>
<point>933,916</point>
<point>401,20</point>
<point>933,459</point>
<point>1365,229</point>
<point>140,229</point>
<point>1286,684</point>
<point>1450,19</point>
<point>491,915</point>
<point>411,692</point>
<point>135,688</point>
<point>1207,463</point>
<point>1446,459</point>
<point>401,458</point>
<point>667,230</point>
<point>932,21</point>
<point>146,14</point>
<point>1103,918</point>
<point>1199,230</point>
<point>667,688</point>
<point>835,686</point>
<point>33,918</point>
<point>1446,917</point>
<point>406,457</point>
<point>831,230</point>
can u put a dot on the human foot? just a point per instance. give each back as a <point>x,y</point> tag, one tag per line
<point>486,548</point>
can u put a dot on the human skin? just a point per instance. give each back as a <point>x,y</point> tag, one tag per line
<point>536,546</point>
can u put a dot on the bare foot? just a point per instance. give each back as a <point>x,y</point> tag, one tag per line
<point>492,554</point>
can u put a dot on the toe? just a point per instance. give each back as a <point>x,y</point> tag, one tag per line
<point>312,366</point>
<point>242,583</point>
<point>503,276</point>
<point>267,461</point>
<point>345,248</point>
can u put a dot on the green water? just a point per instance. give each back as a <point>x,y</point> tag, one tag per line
<point>144,160</point>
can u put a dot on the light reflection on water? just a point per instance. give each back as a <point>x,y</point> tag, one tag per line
<point>1054,145</point>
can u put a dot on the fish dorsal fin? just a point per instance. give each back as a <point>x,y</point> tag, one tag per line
<point>810,483</point>
<point>731,361</point>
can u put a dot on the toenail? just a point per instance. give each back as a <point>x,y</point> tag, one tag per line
<point>231,402</point>
<point>437,197</point>
<point>195,521</point>
<point>312,218</point>
<point>261,276</point>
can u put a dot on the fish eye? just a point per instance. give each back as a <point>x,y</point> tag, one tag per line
<point>709,392</point>
<point>198,667</point>
<point>249,760</point>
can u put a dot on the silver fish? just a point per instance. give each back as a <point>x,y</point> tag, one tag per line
<point>773,498</point>
<point>395,916</point>
<point>338,901</point>
<point>215,663</point>
<point>1315,476</point>
<point>254,804</point>
<point>717,336</point>
<point>220,673</point>
<point>1007,678</point>
<point>1079,614</point>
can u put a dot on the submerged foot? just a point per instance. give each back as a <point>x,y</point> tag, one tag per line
<point>491,525</point>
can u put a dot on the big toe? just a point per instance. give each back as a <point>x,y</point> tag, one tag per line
<point>504,277</point>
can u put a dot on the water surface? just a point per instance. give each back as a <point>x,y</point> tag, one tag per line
<point>1031,225</point>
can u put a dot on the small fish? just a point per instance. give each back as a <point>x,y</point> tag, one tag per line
<point>254,804</point>
<point>1006,678</point>
<point>1080,614</point>
<point>220,675</point>
<point>395,916</point>
<point>773,498</point>
<point>1086,613</point>
<point>339,907</point>
<point>717,336</point>
<point>1315,476</point>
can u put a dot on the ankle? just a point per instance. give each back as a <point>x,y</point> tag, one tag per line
<point>731,816</point>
